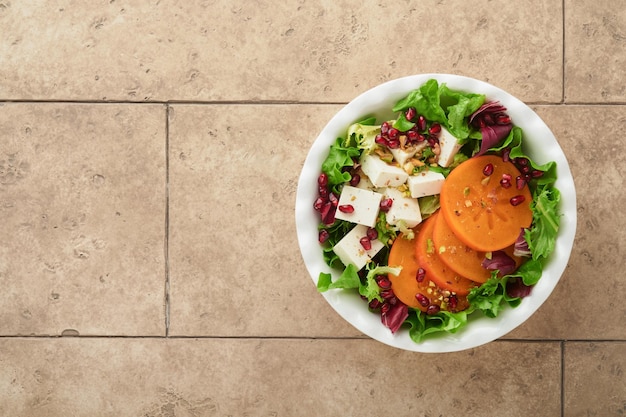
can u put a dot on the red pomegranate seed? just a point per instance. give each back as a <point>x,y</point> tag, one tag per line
<point>380,140</point>
<point>319,203</point>
<point>505,183</point>
<point>517,200</point>
<point>412,135</point>
<point>366,243</point>
<point>328,213</point>
<point>384,128</point>
<point>393,144</point>
<point>372,233</point>
<point>332,197</point>
<point>421,138</point>
<point>434,129</point>
<point>488,170</point>
<point>433,309</point>
<point>346,208</point>
<point>453,302</point>
<point>520,182</point>
<point>375,304</point>
<point>421,274</point>
<point>387,294</point>
<point>421,123</point>
<point>410,113</point>
<point>432,141</point>
<point>393,133</point>
<point>323,191</point>
<point>322,180</point>
<point>525,169</point>
<point>536,173</point>
<point>521,161</point>
<point>323,235</point>
<point>505,155</point>
<point>355,180</point>
<point>383,282</point>
<point>384,308</point>
<point>422,299</point>
<point>386,204</point>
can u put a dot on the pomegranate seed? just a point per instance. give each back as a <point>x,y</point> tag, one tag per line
<point>384,128</point>
<point>346,208</point>
<point>453,302</point>
<point>323,191</point>
<point>434,129</point>
<point>393,144</point>
<point>355,180</point>
<point>332,197</point>
<point>505,183</point>
<point>505,155</point>
<point>503,119</point>
<point>384,308</point>
<point>520,182</point>
<point>410,113</point>
<point>517,200</point>
<point>433,309</point>
<point>328,213</point>
<point>412,135</point>
<point>383,282</point>
<point>366,243</point>
<point>536,173</point>
<point>319,203</point>
<point>521,161</point>
<point>393,301</point>
<point>323,235</point>
<point>432,141</point>
<point>374,304</point>
<point>421,123</point>
<point>421,274</point>
<point>371,233</point>
<point>488,170</point>
<point>387,294</point>
<point>386,204</point>
<point>322,180</point>
<point>422,299</point>
<point>380,140</point>
<point>525,169</point>
<point>421,138</point>
<point>393,133</point>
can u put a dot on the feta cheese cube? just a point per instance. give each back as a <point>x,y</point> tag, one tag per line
<point>380,173</point>
<point>449,145</point>
<point>425,183</point>
<point>366,205</point>
<point>403,209</point>
<point>364,182</point>
<point>350,251</point>
<point>403,155</point>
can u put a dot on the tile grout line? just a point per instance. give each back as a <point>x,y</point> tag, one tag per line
<point>563,52</point>
<point>167,221</point>
<point>562,378</point>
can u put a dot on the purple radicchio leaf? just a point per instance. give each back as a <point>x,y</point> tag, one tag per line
<point>515,287</point>
<point>521,247</point>
<point>500,261</point>
<point>396,315</point>
<point>492,131</point>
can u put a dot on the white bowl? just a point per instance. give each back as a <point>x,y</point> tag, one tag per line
<point>539,143</point>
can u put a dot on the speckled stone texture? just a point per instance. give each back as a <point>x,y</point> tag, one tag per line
<point>149,158</point>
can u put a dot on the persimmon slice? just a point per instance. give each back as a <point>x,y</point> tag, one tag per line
<point>479,210</point>
<point>438,272</point>
<point>461,258</point>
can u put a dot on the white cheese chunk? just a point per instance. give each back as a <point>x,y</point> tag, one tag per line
<point>350,251</point>
<point>380,173</point>
<point>425,183</point>
<point>403,209</point>
<point>449,147</point>
<point>366,205</point>
<point>364,182</point>
<point>403,155</point>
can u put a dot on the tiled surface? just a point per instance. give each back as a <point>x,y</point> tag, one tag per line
<point>149,155</point>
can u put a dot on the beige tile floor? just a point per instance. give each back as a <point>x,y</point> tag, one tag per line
<point>149,154</point>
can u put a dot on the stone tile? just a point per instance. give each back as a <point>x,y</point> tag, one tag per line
<point>302,51</point>
<point>594,383</point>
<point>586,303</point>
<point>82,202</point>
<point>595,37</point>
<point>269,377</point>
<point>236,267</point>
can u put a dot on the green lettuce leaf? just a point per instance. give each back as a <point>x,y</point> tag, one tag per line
<point>338,157</point>
<point>541,237</point>
<point>349,278</point>
<point>426,101</point>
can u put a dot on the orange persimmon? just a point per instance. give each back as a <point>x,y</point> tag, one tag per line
<point>482,213</point>
<point>428,257</point>
<point>461,258</point>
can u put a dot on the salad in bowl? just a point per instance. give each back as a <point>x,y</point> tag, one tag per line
<point>436,212</point>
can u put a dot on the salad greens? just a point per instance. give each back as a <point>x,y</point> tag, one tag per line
<point>456,111</point>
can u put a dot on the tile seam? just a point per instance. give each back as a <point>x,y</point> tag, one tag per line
<point>167,222</point>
